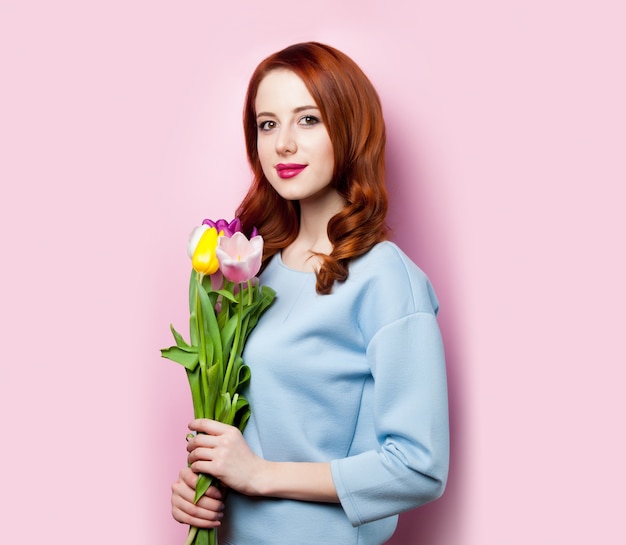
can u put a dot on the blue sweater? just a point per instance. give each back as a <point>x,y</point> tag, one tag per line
<point>355,378</point>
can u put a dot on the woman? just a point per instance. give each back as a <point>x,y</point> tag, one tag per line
<point>348,393</point>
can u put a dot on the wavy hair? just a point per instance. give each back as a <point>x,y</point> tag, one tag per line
<point>352,113</point>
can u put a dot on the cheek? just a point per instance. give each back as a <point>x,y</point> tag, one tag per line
<point>325,147</point>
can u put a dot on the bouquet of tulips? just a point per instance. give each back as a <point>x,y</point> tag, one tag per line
<point>225,302</point>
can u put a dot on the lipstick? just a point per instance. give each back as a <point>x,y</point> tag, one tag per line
<point>289,170</point>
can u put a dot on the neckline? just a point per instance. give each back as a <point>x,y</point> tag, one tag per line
<point>291,269</point>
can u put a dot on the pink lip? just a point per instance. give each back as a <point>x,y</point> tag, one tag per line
<point>289,170</point>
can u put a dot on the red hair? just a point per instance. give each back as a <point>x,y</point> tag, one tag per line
<point>351,111</point>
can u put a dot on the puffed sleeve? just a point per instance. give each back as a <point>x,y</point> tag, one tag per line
<point>410,466</point>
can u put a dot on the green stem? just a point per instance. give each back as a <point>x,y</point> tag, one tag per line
<point>195,536</point>
<point>191,536</point>
<point>235,348</point>
<point>201,351</point>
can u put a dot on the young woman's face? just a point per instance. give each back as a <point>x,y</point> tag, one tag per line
<point>294,148</point>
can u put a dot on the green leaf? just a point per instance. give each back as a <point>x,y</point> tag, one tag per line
<point>193,328</point>
<point>211,396</point>
<point>197,399</point>
<point>222,408</point>
<point>227,295</point>
<point>243,419</point>
<point>187,358</point>
<point>242,403</point>
<point>211,329</point>
<point>228,333</point>
<point>193,280</point>
<point>204,481</point>
<point>209,350</point>
<point>203,537</point>
<point>230,418</point>
<point>243,376</point>
<point>180,342</point>
<point>224,315</point>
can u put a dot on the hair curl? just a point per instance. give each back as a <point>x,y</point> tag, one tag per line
<point>352,113</point>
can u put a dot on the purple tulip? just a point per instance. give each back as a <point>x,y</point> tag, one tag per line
<point>229,229</point>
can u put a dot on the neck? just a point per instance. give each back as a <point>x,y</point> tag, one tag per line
<point>312,238</point>
<point>314,217</point>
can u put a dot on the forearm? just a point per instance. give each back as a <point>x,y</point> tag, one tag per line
<point>306,481</point>
<point>221,451</point>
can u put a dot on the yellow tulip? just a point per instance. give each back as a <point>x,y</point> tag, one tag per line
<point>204,259</point>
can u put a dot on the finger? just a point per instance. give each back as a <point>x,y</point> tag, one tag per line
<point>202,440</point>
<point>214,505</point>
<point>208,426</point>
<point>200,454</point>
<point>183,489</point>
<point>189,477</point>
<point>195,515</point>
<point>207,512</point>
<point>205,466</point>
<point>186,486</point>
<point>214,493</point>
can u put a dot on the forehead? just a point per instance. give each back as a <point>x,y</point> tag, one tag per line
<point>282,90</point>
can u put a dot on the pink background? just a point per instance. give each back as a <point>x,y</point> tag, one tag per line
<point>120,130</point>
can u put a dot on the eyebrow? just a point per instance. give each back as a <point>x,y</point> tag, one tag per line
<point>296,110</point>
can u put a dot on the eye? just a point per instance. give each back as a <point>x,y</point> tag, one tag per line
<point>308,120</point>
<point>266,125</point>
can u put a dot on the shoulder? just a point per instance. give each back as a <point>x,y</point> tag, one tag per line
<point>393,278</point>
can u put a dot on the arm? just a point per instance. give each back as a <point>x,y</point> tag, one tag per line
<point>220,449</point>
<point>411,419</point>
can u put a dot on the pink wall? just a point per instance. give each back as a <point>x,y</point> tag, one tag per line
<point>120,129</point>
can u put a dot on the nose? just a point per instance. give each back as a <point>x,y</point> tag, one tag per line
<point>285,141</point>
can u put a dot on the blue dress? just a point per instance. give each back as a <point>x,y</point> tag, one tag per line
<point>355,378</point>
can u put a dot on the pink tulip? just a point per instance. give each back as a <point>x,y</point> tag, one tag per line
<point>240,258</point>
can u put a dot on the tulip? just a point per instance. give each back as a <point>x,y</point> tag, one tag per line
<point>240,258</point>
<point>223,227</point>
<point>228,229</point>
<point>204,258</point>
<point>194,238</point>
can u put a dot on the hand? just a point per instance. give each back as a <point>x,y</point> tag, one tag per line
<point>221,451</point>
<point>207,513</point>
